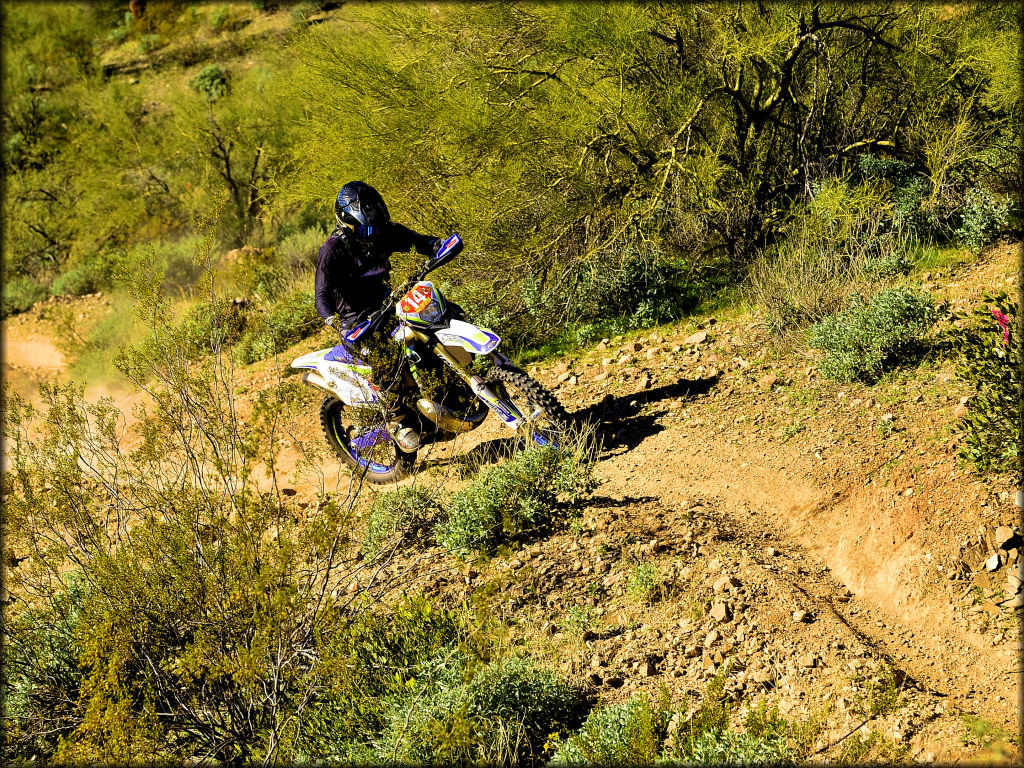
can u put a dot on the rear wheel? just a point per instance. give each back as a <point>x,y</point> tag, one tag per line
<point>369,449</point>
<point>546,419</point>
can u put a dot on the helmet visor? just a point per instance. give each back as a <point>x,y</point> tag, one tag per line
<point>368,232</point>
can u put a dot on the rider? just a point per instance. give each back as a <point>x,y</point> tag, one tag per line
<point>353,269</point>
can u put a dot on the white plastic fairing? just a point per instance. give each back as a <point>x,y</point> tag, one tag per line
<point>345,380</point>
<point>470,337</point>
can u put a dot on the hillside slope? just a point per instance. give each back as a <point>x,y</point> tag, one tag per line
<point>823,538</point>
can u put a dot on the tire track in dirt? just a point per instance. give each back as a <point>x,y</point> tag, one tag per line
<point>867,586</point>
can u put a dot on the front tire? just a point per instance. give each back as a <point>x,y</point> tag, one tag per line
<point>380,462</point>
<point>547,419</point>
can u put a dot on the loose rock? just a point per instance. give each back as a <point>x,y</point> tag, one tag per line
<point>698,338</point>
<point>1004,535</point>
<point>720,611</point>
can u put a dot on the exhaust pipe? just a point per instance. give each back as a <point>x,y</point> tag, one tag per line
<point>447,420</point>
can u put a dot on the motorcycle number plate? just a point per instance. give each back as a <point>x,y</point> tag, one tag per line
<point>417,299</point>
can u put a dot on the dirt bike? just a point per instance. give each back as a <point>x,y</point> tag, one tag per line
<point>439,374</point>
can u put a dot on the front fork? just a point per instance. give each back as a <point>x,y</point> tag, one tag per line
<point>506,411</point>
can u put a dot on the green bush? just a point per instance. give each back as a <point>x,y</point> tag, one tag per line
<point>173,258</point>
<point>409,508</point>
<point>863,339</point>
<point>903,189</point>
<point>983,216</point>
<point>77,281</point>
<point>517,691</point>
<point>990,360</point>
<point>375,668</point>
<point>730,747</point>
<point>20,294</point>
<point>645,583</point>
<point>43,676</point>
<point>149,43</point>
<point>213,82</point>
<point>504,714</point>
<point>298,251</point>
<point>208,325</point>
<point>289,319</point>
<point>629,733</point>
<point>640,287</point>
<point>637,732</point>
<point>517,498</point>
<point>843,240</point>
<point>203,611</point>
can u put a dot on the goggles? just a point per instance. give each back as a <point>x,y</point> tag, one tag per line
<point>367,232</point>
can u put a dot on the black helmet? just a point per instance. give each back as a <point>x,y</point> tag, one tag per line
<point>360,207</point>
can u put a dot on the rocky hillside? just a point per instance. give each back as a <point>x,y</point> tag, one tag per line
<point>820,542</point>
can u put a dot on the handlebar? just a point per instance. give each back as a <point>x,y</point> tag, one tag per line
<point>448,250</point>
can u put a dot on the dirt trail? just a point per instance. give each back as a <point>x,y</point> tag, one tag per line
<point>736,462</point>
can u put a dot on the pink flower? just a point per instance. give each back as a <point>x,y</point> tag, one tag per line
<point>1004,323</point>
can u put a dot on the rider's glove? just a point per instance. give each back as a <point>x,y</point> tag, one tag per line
<point>436,245</point>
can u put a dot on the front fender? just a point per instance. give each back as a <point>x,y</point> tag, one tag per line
<point>472,338</point>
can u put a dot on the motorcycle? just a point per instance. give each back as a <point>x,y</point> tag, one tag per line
<point>437,345</point>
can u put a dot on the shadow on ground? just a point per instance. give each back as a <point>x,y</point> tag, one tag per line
<point>628,420</point>
<point>620,422</point>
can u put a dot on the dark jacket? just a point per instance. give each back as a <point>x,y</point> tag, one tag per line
<point>351,277</point>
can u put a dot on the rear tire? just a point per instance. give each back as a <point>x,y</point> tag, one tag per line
<point>548,418</point>
<point>381,464</point>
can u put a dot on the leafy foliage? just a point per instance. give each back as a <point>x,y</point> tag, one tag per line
<point>20,294</point>
<point>202,605</point>
<point>718,126</point>
<point>990,360</point>
<point>984,216</point>
<point>403,510</point>
<point>845,238</point>
<point>288,319</point>
<point>517,498</point>
<point>862,339</point>
<point>44,674</point>
<point>503,714</point>
<point>645,583</point>
<point>629,733</point>
<point>212,82</point>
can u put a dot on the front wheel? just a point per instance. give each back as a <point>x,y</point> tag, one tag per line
<point>546,419</point>
<point>370,450</point>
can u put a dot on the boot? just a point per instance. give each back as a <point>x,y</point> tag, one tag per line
<point>406,438</point>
